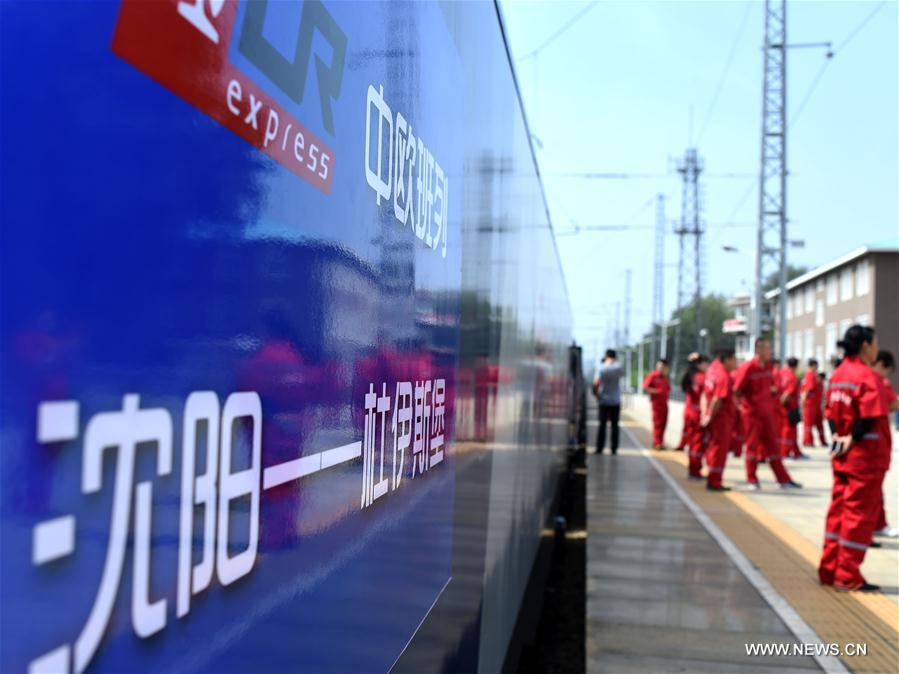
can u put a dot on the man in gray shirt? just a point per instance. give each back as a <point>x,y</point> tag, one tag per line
<point>608,387</point>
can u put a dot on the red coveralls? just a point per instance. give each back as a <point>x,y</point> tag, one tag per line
<point>737,436</point>
<point>888,395</point>
<point>812,418</point>
<point>720,429</point>
<point>758,410</point>
<point>854,393</point>
<point>657,380</point>
<point>787,383</point>
<point>778,408</point>
<point>694,433</point>
<point>683,433</point>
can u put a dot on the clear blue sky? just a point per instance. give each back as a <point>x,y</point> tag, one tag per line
<point>614,93</point>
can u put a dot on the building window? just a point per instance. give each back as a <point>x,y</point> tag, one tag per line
<point>845,324</point>
<point>819,355</point>
<point>846,284</point>
<point>809,299</point>
<point>819,313</point>
<point>862,278</point>
<point>819,284</point>
<point>830,341</point>
<point>797,344</point>
<point>832,284</point>
<point>809,350</point>
<point>789,306</point>
<point>863,319</point>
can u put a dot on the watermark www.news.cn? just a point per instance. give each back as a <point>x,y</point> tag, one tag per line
<point>811,650</point>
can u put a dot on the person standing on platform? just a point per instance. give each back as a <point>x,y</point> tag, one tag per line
<point>778,408</point>
<point>685,427</point>
<point>683,439</point>
<point>692,384</point>
<point>883,366</point>
<point>754,385</point>
<point>857,417</point>
<point>788,390</point>
<point>717,416</point>
<point>607,384</point>
<point>736,445</point>
<point>812,392</point>
<point>658,387</point>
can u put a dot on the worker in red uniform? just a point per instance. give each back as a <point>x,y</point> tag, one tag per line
<point>692,383</point>
<point>788,390</point>
<point>857,417</point>
<point>658,387</point>
<point>683,438</point>
<point>778,409</point>
<point>717,416</point>
<point>883,366</point>
<point>736,444</point>
<point>812,392</point>
<point>754,385</point>
<point>685,426</point>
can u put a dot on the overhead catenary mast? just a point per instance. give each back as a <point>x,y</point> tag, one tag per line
<point>689,233</point>
<point>771,242</point>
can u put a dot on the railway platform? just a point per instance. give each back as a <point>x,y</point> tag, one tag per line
<point>680,579</point>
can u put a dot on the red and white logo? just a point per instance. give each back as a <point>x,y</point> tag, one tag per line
<point>183,45</point>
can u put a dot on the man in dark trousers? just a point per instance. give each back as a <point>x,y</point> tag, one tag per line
<point>607,384</point>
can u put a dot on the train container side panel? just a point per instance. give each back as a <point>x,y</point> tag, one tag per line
<point>283,337</point>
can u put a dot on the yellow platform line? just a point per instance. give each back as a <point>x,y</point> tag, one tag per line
<point>789,562</point>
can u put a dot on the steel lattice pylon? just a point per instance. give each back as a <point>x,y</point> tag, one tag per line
<point>690,251</point>
<point>771,244</point>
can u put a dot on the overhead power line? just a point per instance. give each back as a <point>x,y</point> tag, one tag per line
<point>628,228</point>
<point>830,55</point>
<point>858,28</point>
<point>750,188</point>
<point>724,73</point>
<point>568,24</point>
<point>611,175</point>
<point>809,92</point>
<point>814,85</point>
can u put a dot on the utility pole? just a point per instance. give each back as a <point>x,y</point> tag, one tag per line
<point>627,307</point>
<point>771,243</point>
<point>640,364</point>
<point>617,335</point>
<point>658,279</point>
<point>691,225</point>
<point>627,368</point>
<point>668,324</point>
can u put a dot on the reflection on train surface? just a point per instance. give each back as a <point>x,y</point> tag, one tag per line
<point>284,338</point>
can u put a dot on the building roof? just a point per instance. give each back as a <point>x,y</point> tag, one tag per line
<point>835,264</point>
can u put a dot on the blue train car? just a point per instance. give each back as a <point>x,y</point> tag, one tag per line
<point>283,337</point>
